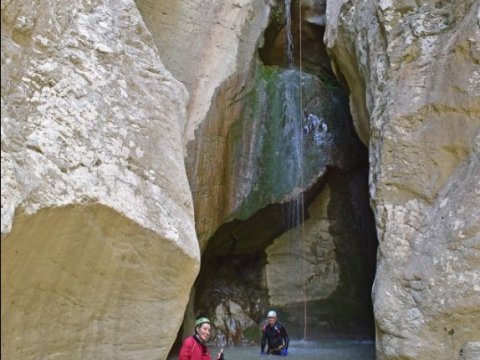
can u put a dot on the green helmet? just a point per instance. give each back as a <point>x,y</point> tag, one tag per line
<point>201,321</point>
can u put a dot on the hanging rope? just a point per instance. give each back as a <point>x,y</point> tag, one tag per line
<point>302,200</point>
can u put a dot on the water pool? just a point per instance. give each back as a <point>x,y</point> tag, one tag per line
<point>305,350</point>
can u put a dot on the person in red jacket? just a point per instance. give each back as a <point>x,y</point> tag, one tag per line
<point>194,347</point>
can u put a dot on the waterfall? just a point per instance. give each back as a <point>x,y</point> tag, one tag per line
<point>294,116</point>
<point>288,34</point>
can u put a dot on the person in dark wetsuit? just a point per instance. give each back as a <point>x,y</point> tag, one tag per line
<point>275,336</point>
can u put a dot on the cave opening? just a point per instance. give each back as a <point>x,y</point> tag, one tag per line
<point>310,255</point>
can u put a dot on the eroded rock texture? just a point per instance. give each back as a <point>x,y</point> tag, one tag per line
<point>316,259</point>
<point>203,43</point>
<point>98,238</point>
<point>263,156</point>
<point>273,139</point>
<point>204,54</point>
<point>414,76</point>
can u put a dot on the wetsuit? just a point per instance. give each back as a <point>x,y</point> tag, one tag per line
<point>276,337</point>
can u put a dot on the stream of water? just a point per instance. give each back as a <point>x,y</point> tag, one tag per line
<point>288,32</point>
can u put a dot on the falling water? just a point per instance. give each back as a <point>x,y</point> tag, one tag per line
<point>288,34</point>
<point>294,116</point>
<point>296,208</point>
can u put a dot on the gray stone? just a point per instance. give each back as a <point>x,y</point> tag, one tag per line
<point>205,43</point>
<point>415,96</point>
<point>470,351</point>
<point>98,239</point>
<point>315,272</point>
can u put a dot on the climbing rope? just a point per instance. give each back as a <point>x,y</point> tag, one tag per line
<point>302,200</point>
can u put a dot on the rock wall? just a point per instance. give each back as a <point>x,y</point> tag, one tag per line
<point>95,191</point>
<point>204,43</point>
<point>205,54</point>
<point>98,240</point>
<point>470,351</point>
<point>316,273</point>
<point>414,76</point>
<point>325,267</point>
<point>254,149</point>
<point>256,155</point>
<point>250,156</point>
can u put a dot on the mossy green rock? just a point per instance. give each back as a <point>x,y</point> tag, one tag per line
<point>293,123</point>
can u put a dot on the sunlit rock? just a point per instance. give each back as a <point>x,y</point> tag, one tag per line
<point>205,43</point>
<point>414,80</point>
<point>99,249</point>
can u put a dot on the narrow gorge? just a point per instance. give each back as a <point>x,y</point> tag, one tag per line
<point>162,159</point>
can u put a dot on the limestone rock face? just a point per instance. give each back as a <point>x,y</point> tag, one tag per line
<point>325,267</point>
<point>470,351</point>
<point>307,28</point>
<point>254,150</point>
<point>208,46</point>
<point>204,43</point>
<point>98,238</point>
<point>414,77</point>
<point>230,319</point>
<point>315,273</point>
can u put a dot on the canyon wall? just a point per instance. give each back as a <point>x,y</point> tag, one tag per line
<point>205,45</point>
<point>414,78</point>
<point>98,239</point>
<point>115,112</point>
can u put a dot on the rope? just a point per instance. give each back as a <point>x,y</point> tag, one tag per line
<point>302,200</point>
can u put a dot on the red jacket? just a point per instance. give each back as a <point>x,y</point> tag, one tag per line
<point>192,349</point>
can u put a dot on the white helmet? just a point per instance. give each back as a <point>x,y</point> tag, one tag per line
<point>271,314</point>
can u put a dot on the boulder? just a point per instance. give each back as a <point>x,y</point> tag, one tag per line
<point>99,250</point>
